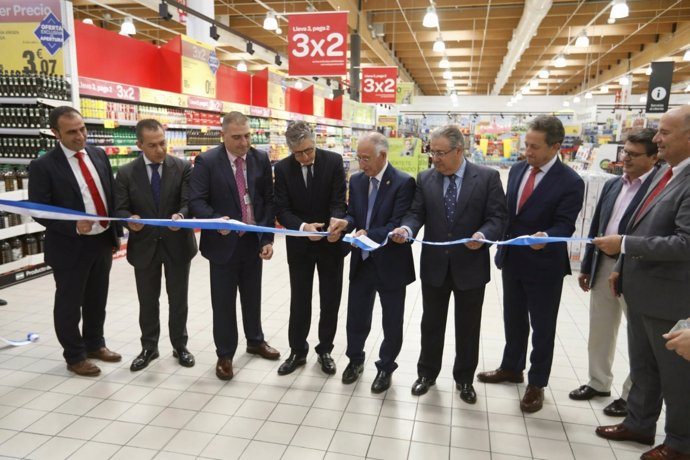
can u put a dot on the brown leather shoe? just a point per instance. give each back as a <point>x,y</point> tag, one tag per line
<point>663,452</point>
<point>264,350</point>
<point>533,400</point>
<point>224,369</point>
<point>500,375</point>
<point>621,433</point>
<point>84,368</point>
<point>105,355</point>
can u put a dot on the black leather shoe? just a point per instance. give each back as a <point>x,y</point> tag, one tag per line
<point>143,360</point>
<point>467,392</point>
<point>618,408</point>
<point>292,363</point>
<point>327,363</point>
<point>382,382</point>
<point>184,357</point>
<point>585,393</point>
<point>421,385</point>
<point>352,372</point>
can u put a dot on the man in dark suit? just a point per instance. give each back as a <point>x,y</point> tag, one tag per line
<point>309,191</point>
<point>380,195</point>
<point>77,177</point>
<point>653,273</point>
<point>618,199</point>
<point>233,181</point>
<point>544,198</point>
<point>156,186</point>
<point>454,200</point>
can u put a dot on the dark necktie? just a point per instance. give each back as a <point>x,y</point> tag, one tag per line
<point>241,186</point>
<point>659,187</point>
<point>450,199</point>
<point>310,178</point>
<point>370,207</point>
<point>93,189</point>
<point>155,184</point>
<point>529,187</point>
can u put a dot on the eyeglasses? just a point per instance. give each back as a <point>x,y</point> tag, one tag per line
<point>305,152</point>
<point>627,153</point>
<point>439,153</point>
<point>363,159</point>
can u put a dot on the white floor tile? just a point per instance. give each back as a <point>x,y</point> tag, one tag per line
<point>387,448</point>
<point>225,447</point>
<point>56,447</point>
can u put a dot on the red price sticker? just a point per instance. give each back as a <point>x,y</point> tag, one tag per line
<point>317,44</point>
<point>379,84</point>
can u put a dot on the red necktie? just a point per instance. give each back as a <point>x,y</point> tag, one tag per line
<point>659,187</point>
<point>529,187</point>
<point>241,186</point>
<point>93,190</point>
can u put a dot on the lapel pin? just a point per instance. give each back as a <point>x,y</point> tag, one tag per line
<point>388,182</point>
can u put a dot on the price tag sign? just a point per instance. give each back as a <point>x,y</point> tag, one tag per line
<point>32,36</point>
<point>379,84</point>
<point>198,76</point>
<point>108,89</point>
<point>109,124</point>
<point>317,44</point>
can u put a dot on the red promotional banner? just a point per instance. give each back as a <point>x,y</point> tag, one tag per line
<point>379,84</point>
<point>317,44</point>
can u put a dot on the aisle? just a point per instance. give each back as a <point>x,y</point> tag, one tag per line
<point>170,412</point>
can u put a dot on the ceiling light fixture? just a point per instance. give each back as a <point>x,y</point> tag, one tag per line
<point>576,99</point>
<point>582,40</point>
<point>439,46</point>
<point>447,75</point>
<point>278,31</point>
<point>619,9</point>
<point>163,11</point>
<point>270,23</point>
<point>250,48</point>
<point>588,95</point>
<point>128,27</point>
<point>648,71</point>
<point>611,20</point>
<point>430,18</point>
<point>277,60</point>
<point>544,73</point>
<point>686,55</point>
<point>299,84</point>
<point>604,88</point>
<point>534,84</point>
<point>566,104</point>
<point>242,66</point>
<point>88,21</point>
<point>444,64</point>
<point>643,98</point>
<point>213,32</point>
<point>560,61</point>
<point>624,80</point>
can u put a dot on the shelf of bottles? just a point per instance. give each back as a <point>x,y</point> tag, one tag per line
<point>25,103</point>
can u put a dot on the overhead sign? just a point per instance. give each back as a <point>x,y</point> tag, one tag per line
<point>379,84</point>
<point>317,44</point>
<point>32,38</point>
<point>405,93</point>
<point>659,88</point>
<point>198,62</point>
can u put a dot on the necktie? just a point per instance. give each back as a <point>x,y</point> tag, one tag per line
<point>659,187</point>
<point>370,206</point>
<point>450,199</point>
<point>155,184</point>
<point>529,187</point>
<point>93,190</point>
<point>241,186</point>
<point>310,177</point>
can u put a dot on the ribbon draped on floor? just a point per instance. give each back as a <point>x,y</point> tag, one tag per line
<point>53,212</point>
<point>30,338</point>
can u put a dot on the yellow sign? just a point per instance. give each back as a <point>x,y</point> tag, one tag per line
<point>198,79</point>
<point>507,148</point>
<point>388,121</point>
<point>155,96</point>
<point>319,106</point>
<point>405,93</point>
<point>32,38</point>
<point>406,155</point>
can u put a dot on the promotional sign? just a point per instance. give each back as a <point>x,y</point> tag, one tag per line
<point>317,44</point>
<point>199,63</point>
<point>379,85</point>
<point>32,38</point>
<point>659,88</point>
<point>406,155</point>
<point>405,93</point>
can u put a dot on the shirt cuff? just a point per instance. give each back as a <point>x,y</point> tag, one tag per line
<point>408,230</point>
<point>623,244</point>
<point>301,227</point>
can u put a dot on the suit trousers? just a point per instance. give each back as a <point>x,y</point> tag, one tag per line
<point>657,373</point>
<point>149,290</point>
<point>604,320</point>
<point>535,303</point>
<point>468,318</point>
<point>330,268</point>
<point>242,272</point>
<point>81,293</point>
<point>360,306</point>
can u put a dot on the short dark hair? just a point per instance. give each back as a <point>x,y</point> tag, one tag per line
<point>57,112</point>
<point>237,118</point>
<point>452,133</point>
<point>551,127</point>
<point>148,124</point>
<point>644,136</point>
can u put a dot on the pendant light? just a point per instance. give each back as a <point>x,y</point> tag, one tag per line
<point>270,23</point>
<point>619,9</point>
<point>439,45</point>
<point>242,66</point>
<point>128,27</point>
<point>430,18</point>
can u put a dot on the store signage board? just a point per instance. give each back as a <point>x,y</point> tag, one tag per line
<point>198,60</point>
<point>108,89</point>
<point>659,87</point>
<point>317,44</point>
<point>405,93</point>
<point>379,85</point>
<point>32,37</point>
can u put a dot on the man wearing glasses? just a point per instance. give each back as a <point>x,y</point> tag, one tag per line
<point>454,200</point>
<point>234,181</point>
<point>619,198</point>
<point>309,191</point>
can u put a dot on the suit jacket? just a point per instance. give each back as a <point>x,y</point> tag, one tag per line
<point>133,197</point>
<point>552,208</point>
<point>481,207</point>
<point>213,194</point>
<point>602,215</point>
<point>52,182</point>
<point>394,262</point>
<point>294,206</point>
<point>656,268</point>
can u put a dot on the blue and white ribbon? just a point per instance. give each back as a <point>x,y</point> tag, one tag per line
<point>30,338</point>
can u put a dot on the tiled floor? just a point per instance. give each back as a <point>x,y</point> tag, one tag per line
<point>170,412</point>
